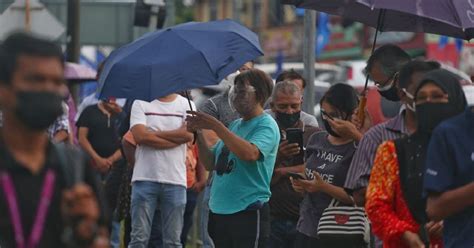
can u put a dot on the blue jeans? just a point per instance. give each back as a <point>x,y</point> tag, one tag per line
<point>146,198</point>
<point>282,234</point>
<point>206,239</point>
<point>115,234</point>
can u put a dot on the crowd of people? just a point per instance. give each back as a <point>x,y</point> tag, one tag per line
<point>268,175</point>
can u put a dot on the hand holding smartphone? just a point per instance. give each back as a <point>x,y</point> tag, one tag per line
<point>296,176</point>
<point>295,136</point>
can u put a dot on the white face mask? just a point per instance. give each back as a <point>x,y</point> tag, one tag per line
<point>411,106</point>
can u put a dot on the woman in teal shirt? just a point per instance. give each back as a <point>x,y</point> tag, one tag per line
<point>243,161</point>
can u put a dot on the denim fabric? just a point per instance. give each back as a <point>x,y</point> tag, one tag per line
<point>282,233</point>
<point>146,198</point>
<point>206,239</point>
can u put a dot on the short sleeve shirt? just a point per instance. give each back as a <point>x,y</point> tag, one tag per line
<point>450,165</point>
<point>219,108</point>
<point>160,165</point>
<point>247,182</point>
<point>361,165</point>
<point>332,163</point>
<point>103,131</point>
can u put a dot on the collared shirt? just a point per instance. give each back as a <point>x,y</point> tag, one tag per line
<point>363,160</point>
<point>28,188</point>
<point>450,165</point>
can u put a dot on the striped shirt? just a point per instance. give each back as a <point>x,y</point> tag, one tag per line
<point>363,160</point>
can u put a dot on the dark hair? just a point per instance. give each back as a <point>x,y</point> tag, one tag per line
<point>290,76</point>
<point>262,83</point>
<point>412,67</point>
<point>343,97</point>
<point>390,57</point>
<point>24,44</point>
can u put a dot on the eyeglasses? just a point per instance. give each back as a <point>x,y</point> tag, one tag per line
<point>331,116</point>
<point>223,165</point>
<point>387,84</point>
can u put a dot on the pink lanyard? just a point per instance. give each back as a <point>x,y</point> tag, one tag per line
<point>38,225</point>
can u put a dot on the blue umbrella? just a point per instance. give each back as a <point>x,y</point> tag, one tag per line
<point>187,56</point>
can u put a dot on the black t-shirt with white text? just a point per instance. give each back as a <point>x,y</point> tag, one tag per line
<point>332,163</point>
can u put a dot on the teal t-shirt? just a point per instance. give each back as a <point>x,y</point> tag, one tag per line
<point>247,182</point>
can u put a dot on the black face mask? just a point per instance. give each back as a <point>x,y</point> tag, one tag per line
<point>390,94</point>
<point>37,109</point>
<point>328,128</point>
<point>429,115</point>
<point>287,120</point>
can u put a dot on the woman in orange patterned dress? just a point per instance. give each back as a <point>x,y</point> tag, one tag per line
<point>395,204</point>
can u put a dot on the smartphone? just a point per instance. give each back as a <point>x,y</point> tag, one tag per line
<point>295,135</point>
<point>326,114</point>
<point>296,176</point>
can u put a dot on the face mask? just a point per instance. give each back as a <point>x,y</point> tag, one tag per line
<point>429,115</point>
<point>411,106</point>
<point>287,120</point>
<point>389,92</point>
<point>37,109</point>
<point>328,128</point>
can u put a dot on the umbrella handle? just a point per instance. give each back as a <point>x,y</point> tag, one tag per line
<point>361,108</point>
<point>191,108</point>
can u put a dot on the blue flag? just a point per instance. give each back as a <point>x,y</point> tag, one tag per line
<point>443,41</point>
<point>323,33</point>
<point>459,44</point>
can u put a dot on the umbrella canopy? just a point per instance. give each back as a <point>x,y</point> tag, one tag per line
<point>422,16</point>
<point>459,14</point>
<point>186,56</point>
<point>73,71</point>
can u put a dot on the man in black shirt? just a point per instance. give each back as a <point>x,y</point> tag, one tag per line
<point>98,133</point>
<point>38,198</point>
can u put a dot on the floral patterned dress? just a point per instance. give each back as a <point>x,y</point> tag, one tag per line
<point>385,204</point>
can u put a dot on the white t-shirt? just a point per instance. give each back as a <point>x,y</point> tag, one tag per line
<point>156,165</point>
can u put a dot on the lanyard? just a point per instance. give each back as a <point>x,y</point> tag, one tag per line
<point>38,225</point>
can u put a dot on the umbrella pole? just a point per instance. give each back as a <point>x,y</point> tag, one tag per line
<point>189,100</point>
<point>363,98</point>
<point>191,108</point>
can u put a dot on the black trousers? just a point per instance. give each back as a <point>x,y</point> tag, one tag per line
<point>245,229</point>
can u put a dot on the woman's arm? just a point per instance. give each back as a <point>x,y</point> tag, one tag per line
<point>380,199</point>
<point>243,149</point>
<point>319,185</point>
